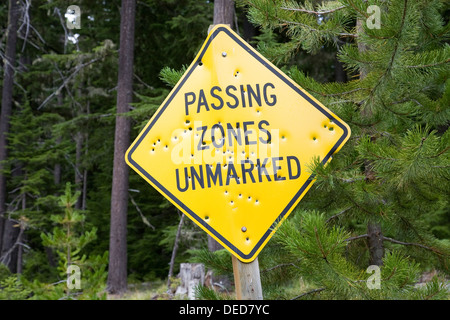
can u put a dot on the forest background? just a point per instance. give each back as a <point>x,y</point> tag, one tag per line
<point>60,114</point>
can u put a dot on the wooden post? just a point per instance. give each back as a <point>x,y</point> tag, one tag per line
<point>247,280</point>
<point>246,275</point>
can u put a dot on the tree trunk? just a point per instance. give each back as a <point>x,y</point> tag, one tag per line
<point>375,237</point>
<point>78,176</point>
<point>223,12</point>
<point>249,31</point>
<point>9,254</point>
<point>85,171</point>
<point>20,238</point>
<point>361,46</point>
<point>117,273</point>
<point>213,245</point>
<point>57,167</point>
<point>174,252</point>
<point>84,191</point>
<point>339,72</point>
<point>375,241</point>
<point>7,95</point>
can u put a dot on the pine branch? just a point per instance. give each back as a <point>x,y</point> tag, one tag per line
<point>439,154</point>
<point>394,52</point>
<point>412,244</point>
<point>279,266</point>
<point>350,198</point>
<point>319,243</point>
<point>397,242</point>
<point>391,110</point>
<point>356,9</point>
<point>314,12</point>
<point>309,292</point>
<point>341,93</point>
<point>429,65</point>
<point>343,34</point>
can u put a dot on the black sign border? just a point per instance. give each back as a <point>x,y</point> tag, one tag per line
<point>175,91</point>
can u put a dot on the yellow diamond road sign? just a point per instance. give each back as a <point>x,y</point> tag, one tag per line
<point>231,144</point>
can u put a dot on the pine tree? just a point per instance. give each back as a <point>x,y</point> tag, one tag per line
<point>117,276</point>
<point>382,196</point>
<point>162,57</point>
<point>8,234</point>
<point>69,242</point>
<point>62,123</point>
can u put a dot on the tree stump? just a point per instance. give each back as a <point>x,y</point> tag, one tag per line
<point>191,275</point>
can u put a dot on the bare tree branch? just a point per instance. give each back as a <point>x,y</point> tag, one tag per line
<point>66,35</point>
<point>411,244</point>
<point>357,237</point>
<point>77,69</point>
<point>338,214</point>
<point>280,266</point>
<point>6,257</point>
<point>25,22</point>
<point>144,219</point>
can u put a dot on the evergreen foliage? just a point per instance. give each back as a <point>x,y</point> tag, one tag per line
<point>393,172</point>
<point>63,123</point>
<point>11,287</point>
<point>69,240</point>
